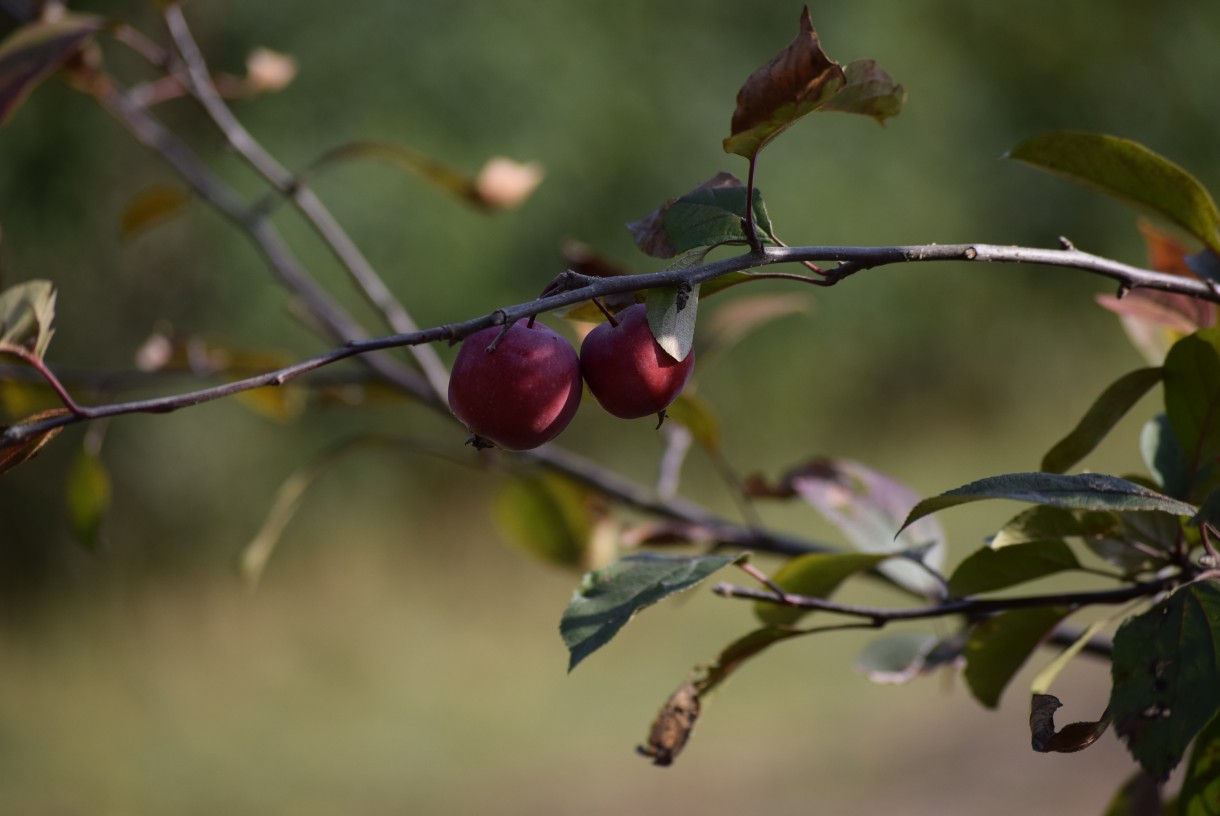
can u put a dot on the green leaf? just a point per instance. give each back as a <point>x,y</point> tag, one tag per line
<point>1130,172</point>
<point>88,498</point>
<point>1165,458</point>
<point>797,81</point>
<point>35,51</point>
<point>25,309</point>
<point>1047,523</point>
<point>151,206</point>
<point>816,575</point>
<point>707,677</point>
<point>1200,794</point>
<point>1000,645</point>
<point>901,657</point>
<point>548,516</point>
<point>1140,795</point>
<point>1100,419</point>
<point>1192,394</point>
<point>1084,491</point>
<point>709,215</point>
<point>609,597</point>
<point>671,316</point>
<point>989,569</point>
<point>869,91</point>
<point>253,558</point>
<point>1046,677</point>
<point>866,506</point>
<point>1166,675</point>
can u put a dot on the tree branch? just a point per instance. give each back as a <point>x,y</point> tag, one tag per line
<point>582,288</point>
<point>199,81</point>
<point>964,606</point>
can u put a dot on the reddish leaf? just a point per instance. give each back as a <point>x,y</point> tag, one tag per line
<point>798,80</point>
<point>1165,253</point>
<point>27,450</point>
<point>1154,320</point>
<point>35,51</point>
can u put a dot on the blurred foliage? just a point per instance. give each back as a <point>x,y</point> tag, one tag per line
<point>624,107</point>
<point>936,373</point>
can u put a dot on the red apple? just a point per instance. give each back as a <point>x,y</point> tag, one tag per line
<point>521,394</point>
<point>627,371</point>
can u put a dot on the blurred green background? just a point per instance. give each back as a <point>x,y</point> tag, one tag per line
<point>397,657</point>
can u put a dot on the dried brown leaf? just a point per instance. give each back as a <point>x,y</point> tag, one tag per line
<point>797,80</point>
<point>672,726</point>
<point>1071,738</point>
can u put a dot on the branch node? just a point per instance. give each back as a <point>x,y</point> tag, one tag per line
<point>970,254</point>
<point>1065,244</point>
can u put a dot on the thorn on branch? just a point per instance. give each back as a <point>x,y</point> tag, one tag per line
<point>1066,245</point>
<point>1123,289</point>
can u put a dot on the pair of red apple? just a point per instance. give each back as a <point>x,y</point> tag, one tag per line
<point>526,391</point>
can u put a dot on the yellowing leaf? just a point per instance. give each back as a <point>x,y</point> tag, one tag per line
<point>152,206</point>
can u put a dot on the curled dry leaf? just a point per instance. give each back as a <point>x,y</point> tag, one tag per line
<point>1074,737</point>
<point>504,183</point>
<point>672,726</point>
<point>799,79</point>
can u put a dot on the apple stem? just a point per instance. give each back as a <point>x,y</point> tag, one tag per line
<point>609,317</point>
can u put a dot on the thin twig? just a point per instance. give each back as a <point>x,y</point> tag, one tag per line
<point>306,201</point>
<point>967,606</point>
<point>279,257</point>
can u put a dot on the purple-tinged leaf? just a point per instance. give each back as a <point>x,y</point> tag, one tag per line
<point>36,50</point>
<point>867,507</point>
